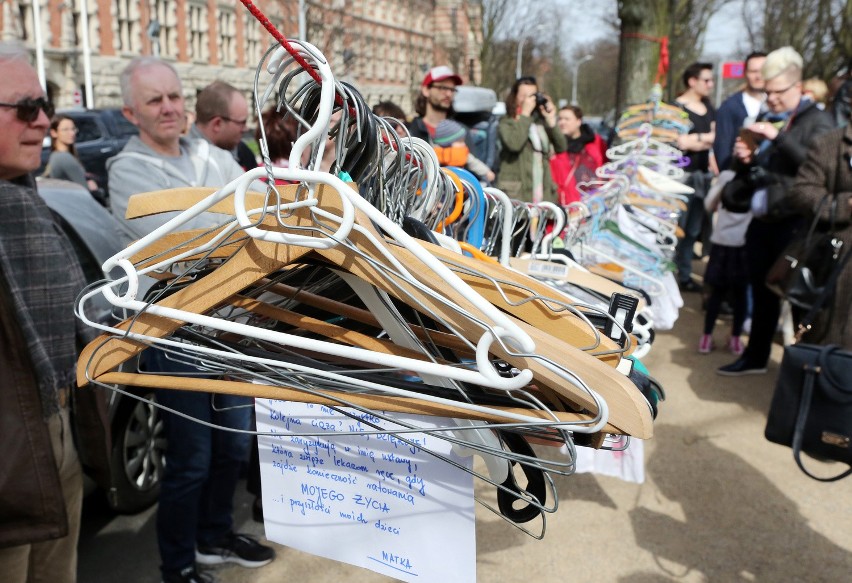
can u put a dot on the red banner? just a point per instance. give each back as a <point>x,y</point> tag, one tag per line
<point>733,70</point>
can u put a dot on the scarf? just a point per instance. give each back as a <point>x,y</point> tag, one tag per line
<point>539,143</point>
<point>43,278</point>
<point>578,144</point>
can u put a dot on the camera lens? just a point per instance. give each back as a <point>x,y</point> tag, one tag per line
<point>540,100</point>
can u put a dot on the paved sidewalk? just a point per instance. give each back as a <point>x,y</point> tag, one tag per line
<point>720,503</point>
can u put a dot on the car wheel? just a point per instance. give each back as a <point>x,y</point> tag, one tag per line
<point>138,450</point>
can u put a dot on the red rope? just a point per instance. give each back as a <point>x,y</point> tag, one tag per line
<point>267,24</point>
<point>663,64</point>
<point>261,17</point>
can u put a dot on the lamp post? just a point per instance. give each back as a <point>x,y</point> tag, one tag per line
<point>576,72</point>
<point>303,20</point>
<point>519,58</point>
<point>89,98</point>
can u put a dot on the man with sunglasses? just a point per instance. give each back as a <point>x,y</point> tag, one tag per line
<point>195,512</point>
<point>434,104</point>
<point>221,115</point>
<point>41,483</point>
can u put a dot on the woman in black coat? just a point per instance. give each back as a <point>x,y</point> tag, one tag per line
<point>770,153</point>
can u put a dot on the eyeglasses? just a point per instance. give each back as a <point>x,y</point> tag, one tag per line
<point>239,122</point>
<point>29,108</point>
<point>780,91</point>
<point>445,88</point>
<point>706,79</point>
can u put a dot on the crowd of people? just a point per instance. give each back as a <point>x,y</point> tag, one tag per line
<point>772,134</point>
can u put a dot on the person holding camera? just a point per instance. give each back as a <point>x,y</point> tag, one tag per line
<point>529,137</point>
<point>767,156</point>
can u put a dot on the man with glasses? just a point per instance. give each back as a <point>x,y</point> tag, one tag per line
<point>434,104</point>
<point>740,109</point>
<point>195,512</point>
<point>697,145</point>
<point>221,115</point>
<point>41,483</point>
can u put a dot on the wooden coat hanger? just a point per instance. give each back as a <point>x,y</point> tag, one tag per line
<point>255,260</point>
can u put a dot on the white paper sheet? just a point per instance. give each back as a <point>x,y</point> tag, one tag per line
<point>367,500</point>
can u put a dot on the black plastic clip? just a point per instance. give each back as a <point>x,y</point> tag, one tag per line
<point>622,308</point>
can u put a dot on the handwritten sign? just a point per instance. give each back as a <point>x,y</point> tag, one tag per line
<point>378,501</point>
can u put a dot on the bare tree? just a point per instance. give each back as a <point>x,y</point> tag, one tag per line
<point>644,25</point>
<point>818,29</point>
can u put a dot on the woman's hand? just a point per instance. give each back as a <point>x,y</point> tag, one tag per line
<point>548,112</point>
<point>767,130</point>
<point>528,105</point>
<point>743,152</point>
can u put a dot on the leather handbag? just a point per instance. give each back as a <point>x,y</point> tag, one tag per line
<point>801,272</point>
<point>811,408</point>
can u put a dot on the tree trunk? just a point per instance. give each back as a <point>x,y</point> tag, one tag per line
<point>641,21</point>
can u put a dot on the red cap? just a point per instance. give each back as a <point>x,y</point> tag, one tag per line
<point>441,73</point>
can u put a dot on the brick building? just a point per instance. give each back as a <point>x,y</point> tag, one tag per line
<point>383,47</point>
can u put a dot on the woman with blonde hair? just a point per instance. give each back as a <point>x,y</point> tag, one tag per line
<point>766,159</point>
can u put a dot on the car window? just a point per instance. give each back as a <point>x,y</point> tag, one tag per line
<point>88,129</point>
<point>123,128</point>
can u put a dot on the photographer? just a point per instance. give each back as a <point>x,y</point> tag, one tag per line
<point>767,156</point>
<point>529,137</point>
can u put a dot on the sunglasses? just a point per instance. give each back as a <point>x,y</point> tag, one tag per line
<point>29,108</point>
<point>527,80</point>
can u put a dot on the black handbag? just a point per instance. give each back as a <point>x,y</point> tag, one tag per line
<point>811,408</point>
<point>800,274</point>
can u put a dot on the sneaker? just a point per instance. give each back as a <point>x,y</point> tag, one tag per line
<point>739,368</point>
<point>735,345</point>
<point>188,575</point>
<point>690,285</point>
<point>236,548</point>
<point>705,345</point>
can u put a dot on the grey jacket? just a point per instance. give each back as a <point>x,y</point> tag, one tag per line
<point>137,168</point>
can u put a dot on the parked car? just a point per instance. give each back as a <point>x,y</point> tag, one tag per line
<point>138,444</point>
<point>101,134</point>
<point>474,107</point>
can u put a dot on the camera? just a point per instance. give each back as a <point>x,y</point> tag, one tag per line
<point>540,100</point>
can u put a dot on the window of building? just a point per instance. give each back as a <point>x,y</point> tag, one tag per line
<point>165,12</point>
<point>127,38</point>
<point>198,32</point>
<point>227,29</point>
<point>253,47</point>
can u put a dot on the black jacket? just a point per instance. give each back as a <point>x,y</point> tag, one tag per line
<point>775,168</point>
<point>417,129</point>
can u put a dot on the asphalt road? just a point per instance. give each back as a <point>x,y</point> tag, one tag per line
<point>719,503</point>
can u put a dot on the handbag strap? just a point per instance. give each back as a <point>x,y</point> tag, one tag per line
<point>807,322</point>
<point>811,373</point>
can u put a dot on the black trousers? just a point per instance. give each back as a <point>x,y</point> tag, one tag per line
<point>764,243</point>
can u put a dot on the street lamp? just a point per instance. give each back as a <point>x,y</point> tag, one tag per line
<point>576,72</point>
<point>521,43</point>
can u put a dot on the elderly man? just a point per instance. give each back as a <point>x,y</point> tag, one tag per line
<point>41,484</point>
<point>195,513</point>
<point>221,114</point>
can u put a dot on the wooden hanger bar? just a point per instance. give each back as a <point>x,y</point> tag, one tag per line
<point>368,401</point>
<point>256,259</point>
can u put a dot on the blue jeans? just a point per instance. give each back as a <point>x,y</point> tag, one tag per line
<point>203,467</point>
<point>691,222</point>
